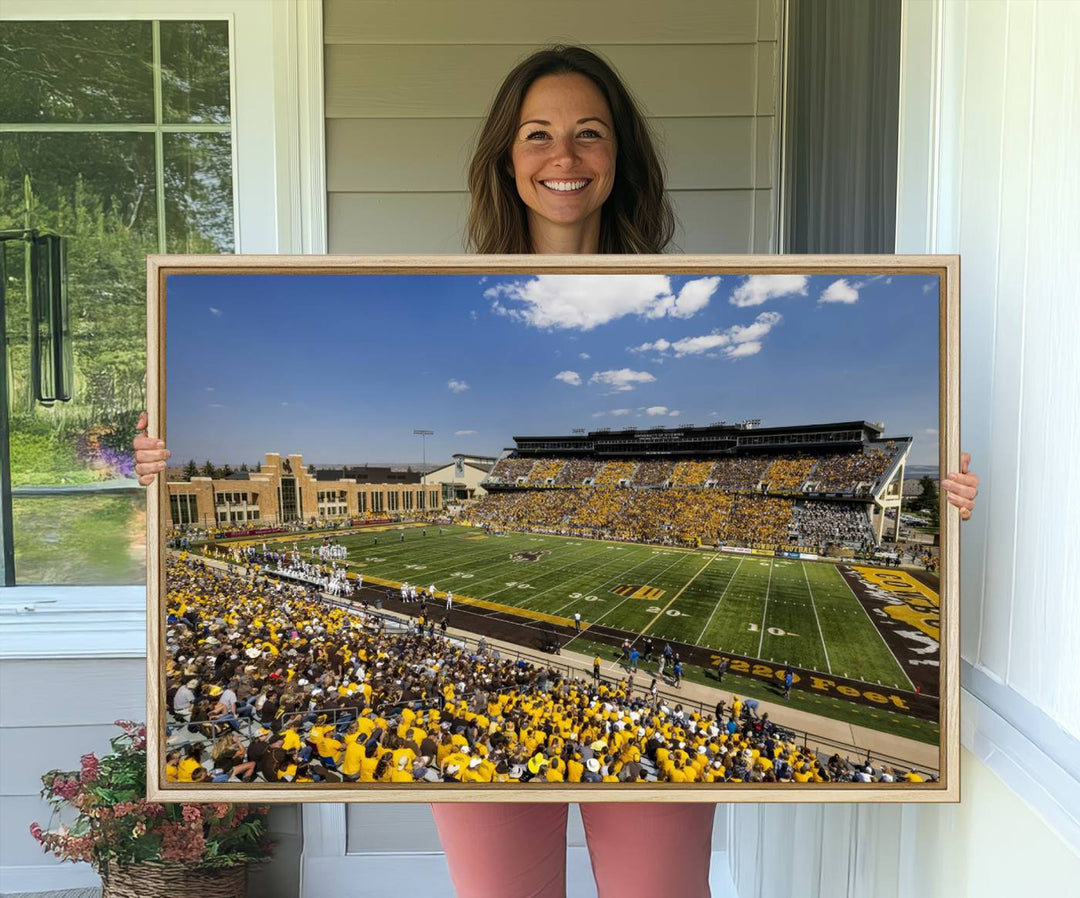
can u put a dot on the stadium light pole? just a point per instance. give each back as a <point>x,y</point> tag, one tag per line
<point>423,434</point>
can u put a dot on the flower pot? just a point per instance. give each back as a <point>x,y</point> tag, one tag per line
<point>173,881</point>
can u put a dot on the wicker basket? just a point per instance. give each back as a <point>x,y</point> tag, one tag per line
<point>151,880</point>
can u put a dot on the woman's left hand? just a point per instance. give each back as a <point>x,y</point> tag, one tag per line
<point>962,488</point>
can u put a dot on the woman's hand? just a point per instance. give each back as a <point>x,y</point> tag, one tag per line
<point>150,454</point>
<point>962,488</point>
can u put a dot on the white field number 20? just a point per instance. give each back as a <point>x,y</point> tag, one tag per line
<point>671,612</point>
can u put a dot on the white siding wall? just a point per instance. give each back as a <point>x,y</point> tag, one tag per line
<point>990,138</point>
<point>408,82</point>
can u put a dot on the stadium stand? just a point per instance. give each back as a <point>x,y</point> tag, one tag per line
<point>845,473</point>
<point>576,471</point>
<point>767,489</point>
<point>691,473</point>
<point>509,469</point>
<point>653,473</point>
<point>739,473</point>
<point>831,523</point>
<point>544,470</point>
<point>789,474</point>
<point>615,471</point>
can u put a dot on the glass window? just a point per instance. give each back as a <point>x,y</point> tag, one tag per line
<point>118,137</point>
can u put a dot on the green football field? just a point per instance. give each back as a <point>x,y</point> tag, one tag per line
<point>778,610</point>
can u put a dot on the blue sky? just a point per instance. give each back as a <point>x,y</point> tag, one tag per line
<point>343,368</point>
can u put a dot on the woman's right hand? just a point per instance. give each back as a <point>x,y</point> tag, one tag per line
<point>150,454</point>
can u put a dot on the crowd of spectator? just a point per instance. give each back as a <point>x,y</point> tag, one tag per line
<point>264,682</point>
<point>509,469</point>
<point>653,473</point>
<point>692,473</point>
<point>846,473</point>
<point>741,473</point>
<point>836,473</point>
<point>615,472</point>
<point>544,470</point>
<point>831,523</point>
<point>576,471</point>
<point>788,474</point>
<point>676,516</point>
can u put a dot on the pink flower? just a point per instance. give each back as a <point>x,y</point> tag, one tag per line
<point>65,788</point>
<point>181,842</point>
<point>192,813</point>
<point>37,832</point>
<point>89,768</point>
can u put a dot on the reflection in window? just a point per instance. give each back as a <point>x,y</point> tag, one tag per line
<point>143,164</point>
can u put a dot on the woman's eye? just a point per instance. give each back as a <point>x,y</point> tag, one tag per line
<point>536,135</point>
<point>589,132</point>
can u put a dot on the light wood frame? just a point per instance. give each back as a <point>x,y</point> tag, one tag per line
<point>945,266</point>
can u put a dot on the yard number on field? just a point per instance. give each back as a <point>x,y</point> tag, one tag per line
<point>772,631</point>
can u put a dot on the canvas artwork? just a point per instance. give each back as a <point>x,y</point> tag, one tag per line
<point>513,528</point>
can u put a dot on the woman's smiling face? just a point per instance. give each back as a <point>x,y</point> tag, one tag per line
<point>563,155</point>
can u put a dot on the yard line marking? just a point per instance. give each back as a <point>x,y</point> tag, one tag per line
<point>718,601</point>
<point>619,605</point>
<point>824,647</point>
<point>659,614</point>
<point>873,626</point>
<point>764,611</point>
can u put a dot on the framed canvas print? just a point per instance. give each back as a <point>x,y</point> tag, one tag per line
<point>553,528</point>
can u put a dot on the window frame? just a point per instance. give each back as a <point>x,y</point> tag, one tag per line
<point>279,206</point>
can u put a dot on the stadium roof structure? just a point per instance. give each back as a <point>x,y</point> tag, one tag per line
<point>369,474</point>
<point>716,439</point>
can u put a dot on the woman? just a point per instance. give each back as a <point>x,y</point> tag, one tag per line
<point>565,164</point>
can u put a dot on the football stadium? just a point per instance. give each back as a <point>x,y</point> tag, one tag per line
<point>730,603</point>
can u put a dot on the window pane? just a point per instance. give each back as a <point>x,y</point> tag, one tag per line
<point>198,193</point>
<point>81,539</point>
<point>76,72</point>
<point>195,71</point>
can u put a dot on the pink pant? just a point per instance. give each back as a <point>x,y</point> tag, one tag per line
<point>519,850</point>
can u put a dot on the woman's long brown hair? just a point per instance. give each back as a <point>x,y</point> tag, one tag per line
<point>637,216</point>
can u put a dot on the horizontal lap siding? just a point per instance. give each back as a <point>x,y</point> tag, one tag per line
<point>52,713</point>
<point>408,84</point>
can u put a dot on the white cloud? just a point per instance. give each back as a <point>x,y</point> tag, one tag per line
<point>928,286</point>
<point>457,386</point>
<point>931,431</point>
<point>735,342</point>
<point>760,288</point>
<point>209,389</point>
<point>585,301</point>
<point>465,433</point>
<point>661,411</point>
<point>215,405</point>
<point>571,378</point>
<point>622,380</point>
<point>215,312</point>
<point>841,291</point>
<point>614,413</point>
<point>584,356</point>
<point>472,314</point>
<point>742,350</point>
